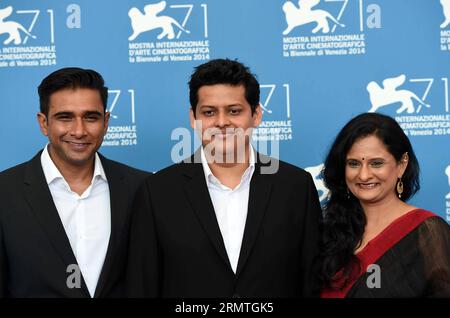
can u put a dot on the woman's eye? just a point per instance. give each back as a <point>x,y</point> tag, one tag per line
<point>352,163</point>
<point>377,164</point>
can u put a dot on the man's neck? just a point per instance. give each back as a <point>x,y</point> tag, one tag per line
<point>230,174</point>
<point>78,177</point>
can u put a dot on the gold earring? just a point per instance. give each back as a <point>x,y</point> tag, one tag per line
<point>399,187</point>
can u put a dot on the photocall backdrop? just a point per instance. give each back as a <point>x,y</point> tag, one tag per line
<point>319,64</point>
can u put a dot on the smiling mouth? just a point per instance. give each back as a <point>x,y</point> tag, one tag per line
<point>370,185</point>
<point>78,145</point>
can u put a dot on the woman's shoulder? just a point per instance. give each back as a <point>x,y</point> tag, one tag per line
<point>427,218</point>
<point>434,230</point>
<point>427,224</point>
<point>437,223</point>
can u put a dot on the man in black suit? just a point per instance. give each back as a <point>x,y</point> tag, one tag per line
<point>65,214</point>
<point>227,222</point>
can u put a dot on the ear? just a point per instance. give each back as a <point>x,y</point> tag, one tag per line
<point>43,123</point>
<point>257,115</point>
<point>403,164</point>
<point>106,123</point>
<point>192,118</point>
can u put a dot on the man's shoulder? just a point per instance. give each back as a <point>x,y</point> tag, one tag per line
<point>292,169</point>
<point>280,168</point>
<point>124,169</point>
<point>12,180</point>
<point>15,173</point>
<point>176,169</point>
<point>268,165</point>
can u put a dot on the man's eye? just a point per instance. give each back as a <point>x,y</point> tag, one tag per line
<point>92,118</point>
<point>64,118</point>
<point>208,113</point>
<point>235,111</point>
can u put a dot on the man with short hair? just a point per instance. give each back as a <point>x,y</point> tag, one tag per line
<point>222,223</point>
<point>65,214</point>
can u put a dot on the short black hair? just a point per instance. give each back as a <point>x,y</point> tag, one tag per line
<point>224,71</point>
<point>70,78</point>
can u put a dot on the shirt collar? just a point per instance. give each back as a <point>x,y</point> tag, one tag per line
<point>210,178</point>
<point>52,173</point>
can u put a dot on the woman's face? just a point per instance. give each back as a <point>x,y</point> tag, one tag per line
<point>371,172</point>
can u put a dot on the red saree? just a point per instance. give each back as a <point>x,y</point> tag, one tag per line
<point>378,246</point>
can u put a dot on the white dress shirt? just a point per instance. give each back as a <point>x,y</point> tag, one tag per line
<point>86,218</point>
<point>231,207</point>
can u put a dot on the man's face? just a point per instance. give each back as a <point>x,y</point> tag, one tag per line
<point>226,119</point>
<point>75,126</point>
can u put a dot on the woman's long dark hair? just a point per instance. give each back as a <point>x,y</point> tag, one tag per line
<point>344,219</point>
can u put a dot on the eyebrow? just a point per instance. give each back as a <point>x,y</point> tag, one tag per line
<point>93,113</point>
<point>231,105</point>
<point>62,114</point>
<point>88,113</point>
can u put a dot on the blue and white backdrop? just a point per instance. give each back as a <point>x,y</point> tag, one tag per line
<point>319,64</point>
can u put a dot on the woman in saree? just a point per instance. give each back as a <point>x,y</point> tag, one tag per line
<point>375,244</point>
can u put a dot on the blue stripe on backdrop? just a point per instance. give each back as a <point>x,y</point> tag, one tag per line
<point>318,66</point>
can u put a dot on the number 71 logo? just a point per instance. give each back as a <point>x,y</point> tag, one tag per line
<point>116,93</point>
<point>271,89</point>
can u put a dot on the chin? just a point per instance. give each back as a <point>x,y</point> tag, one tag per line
<point>369,199</point>
<point>80,160</point>
<point>366,197</point>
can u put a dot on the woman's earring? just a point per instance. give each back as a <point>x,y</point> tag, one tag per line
<point>399,188</point>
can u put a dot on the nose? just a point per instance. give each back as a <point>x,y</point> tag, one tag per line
<point>222,120</point>
<point>78,128</point>
<point>364,173</point>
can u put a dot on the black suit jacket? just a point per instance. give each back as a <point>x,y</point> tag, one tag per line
<point>176,248</point>
<point>34,248</point>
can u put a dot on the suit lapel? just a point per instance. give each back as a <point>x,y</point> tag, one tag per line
<point>200,200</point>
<point>41,202</point>
<point>118,194</point>
<point>260,189</point>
